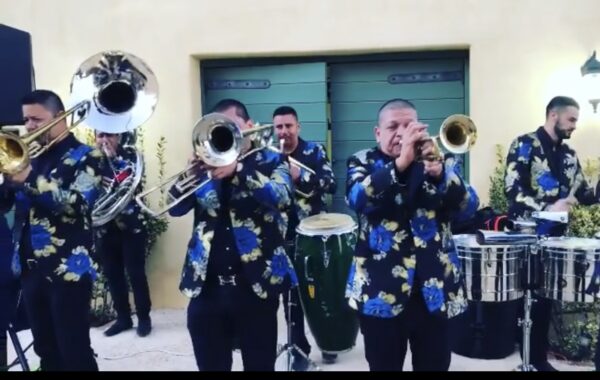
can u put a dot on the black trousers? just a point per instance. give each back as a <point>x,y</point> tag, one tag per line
<point>386,339</point>
<point>122,251</point>
<point>541,316</point>
<point>221,314</point>
<point>58,313</point>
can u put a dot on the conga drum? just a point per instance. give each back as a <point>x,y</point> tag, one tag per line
<point>324,249</point>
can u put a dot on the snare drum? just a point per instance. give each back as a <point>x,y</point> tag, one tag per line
<point>570,269</point>
<point>324,250</point>
<point>493,273</point>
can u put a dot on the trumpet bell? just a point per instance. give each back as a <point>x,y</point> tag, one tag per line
<point>122,89</point>
<point>458,133</point>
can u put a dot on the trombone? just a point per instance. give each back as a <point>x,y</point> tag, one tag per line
<point>217,141</point>
<point>16,152</point>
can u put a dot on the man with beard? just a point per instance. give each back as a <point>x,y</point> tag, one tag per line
<point>310,198</point>
<point>544,174</point>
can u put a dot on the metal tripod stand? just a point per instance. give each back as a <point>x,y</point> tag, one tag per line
<point>526,322</point>
<point>289,347</point>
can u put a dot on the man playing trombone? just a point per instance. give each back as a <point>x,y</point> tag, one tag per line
<point>313,179</point>
<point>54,195</point>
<point>236,265</point>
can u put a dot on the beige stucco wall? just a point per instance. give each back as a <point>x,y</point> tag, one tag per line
<point>522,52</point>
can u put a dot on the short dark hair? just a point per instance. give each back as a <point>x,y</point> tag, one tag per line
<point>285,110</point>
<point>558,103</point>
<point>225,104</point>
<point>46,98</point>
<point>396,103</point>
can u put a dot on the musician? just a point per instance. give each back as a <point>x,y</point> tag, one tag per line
<point>236,265</point>
<point>405,281</point>
<point>310,196</point>
<point>54,196</point>
<point>121,243</point>
<point>544,173</point>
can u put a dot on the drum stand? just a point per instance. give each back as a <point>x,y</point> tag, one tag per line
<point>289,347</point>
<point>526,322</point>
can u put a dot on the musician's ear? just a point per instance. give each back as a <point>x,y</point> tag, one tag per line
<point>376,132</point>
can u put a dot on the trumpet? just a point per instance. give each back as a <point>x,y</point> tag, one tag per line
<point>291,160</point>
<point>457,134</point>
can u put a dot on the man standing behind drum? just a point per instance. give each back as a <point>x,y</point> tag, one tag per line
<point>543,173</point>
<point>405,280</point>
<point>310,195</point>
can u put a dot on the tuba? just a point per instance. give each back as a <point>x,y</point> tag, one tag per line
<point>217,141</point>
<point>119,191</point>
<point>125,92</point>
<point>114,92</point>
<point>457,135</point>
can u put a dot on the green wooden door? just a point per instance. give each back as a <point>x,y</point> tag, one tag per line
<point>435,86</point>
<point>264,88</point>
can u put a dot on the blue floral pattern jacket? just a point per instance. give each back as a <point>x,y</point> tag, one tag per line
<point>404,235</point>
<point>58,207</point>
<point>312,189</point>
<point>531,185</point>
<point>131,218</point>
<point>260,196</point>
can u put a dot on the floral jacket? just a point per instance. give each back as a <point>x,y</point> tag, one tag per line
<point>58,205</point>
<point>310,195</point>
<point>405,241</point>
<point>131,218</point>
<point>532,182</point>
<point>260,195</point>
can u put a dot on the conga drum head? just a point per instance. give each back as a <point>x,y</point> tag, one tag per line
<point>326,224</point>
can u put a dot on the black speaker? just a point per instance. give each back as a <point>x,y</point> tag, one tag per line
<point>16,73</point>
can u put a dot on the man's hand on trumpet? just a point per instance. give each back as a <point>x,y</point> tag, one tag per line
<point>433,167</point>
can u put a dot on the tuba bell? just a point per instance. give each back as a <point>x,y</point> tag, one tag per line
<point>457,135</point>
<point>217,141</point>
<point>124,93</point>
<point>114,92</point>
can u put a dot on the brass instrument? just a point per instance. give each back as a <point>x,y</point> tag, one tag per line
<point>217,141</point>
<point>112,91</point>
<point>291,160</point>
<point>457,134</point>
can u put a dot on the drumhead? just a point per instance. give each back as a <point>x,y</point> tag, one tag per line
<point>470,241</point>
<point>572,243</point>
<point>326,224</point>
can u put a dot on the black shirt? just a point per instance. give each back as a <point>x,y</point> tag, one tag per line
<point>224,258</point>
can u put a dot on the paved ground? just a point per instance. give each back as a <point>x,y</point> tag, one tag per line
<point>168,348</point>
